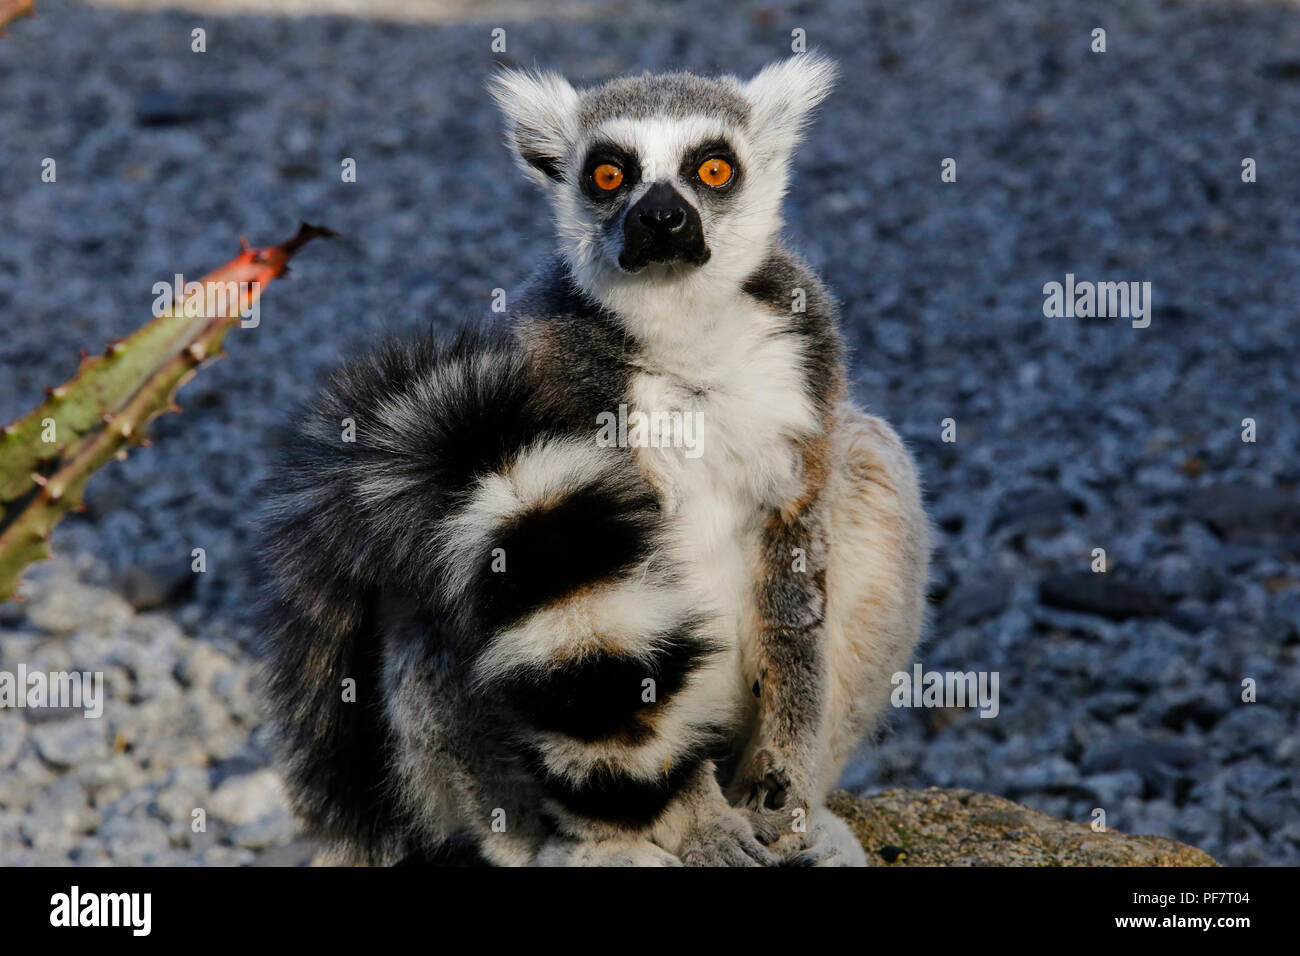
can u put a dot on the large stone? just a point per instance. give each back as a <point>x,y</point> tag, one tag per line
<point>272,830</point>
<point>938,827</point>
<point>71,742</point>
<point>13,732</point>
<point>1099,594</point>
<point>148,586</point>
<point>1242,510</point>
<point>247,798</point>
<point>972,601</point>
<point>59,603</point>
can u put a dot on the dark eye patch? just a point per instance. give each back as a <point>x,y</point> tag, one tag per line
<point>694,158</point>
<point>609,153</point>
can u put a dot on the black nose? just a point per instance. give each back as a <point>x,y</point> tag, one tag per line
<point>662,226</point>
<point>663,218</point>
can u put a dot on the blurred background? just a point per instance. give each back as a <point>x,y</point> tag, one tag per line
<point>1121,691</point>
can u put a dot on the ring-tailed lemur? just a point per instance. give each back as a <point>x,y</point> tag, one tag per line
<point>625,580</point>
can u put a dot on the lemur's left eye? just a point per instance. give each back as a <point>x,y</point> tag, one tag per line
<point>715,172</point>
<point>607,176</point>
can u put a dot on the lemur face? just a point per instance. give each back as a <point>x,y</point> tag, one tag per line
<point>646,213</point>
<point>663,178</point>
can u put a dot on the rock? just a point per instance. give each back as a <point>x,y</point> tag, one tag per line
<point>1251,729</point>
<point>162,108</point>
<point>13,732</point>
<point>155,585</point>
<point>299,852</point>
<point>1197,824</point>
<point>109,780</point>
<point>1054,773</point>
<point>1241,510</point>
<point>1037,511</point>
<point>247,798</point>
<point>972,601</point>
<point>1271,812</point>
<point>1254,778</point>
<point>227,856</point>
<point>185,791</point>
<point>89,852</point>
<point>1178,709</point>
<point>272,830</point>
<point>1179,576</point>
<point>1291,832</point>
<point>1237,557</point>
<point>1108,789</point>
<point>134,840</point>
<point>1109,704</point>
<point>1190,616</point>
<point>133,805</point>
<point>234,687</point>
<point>1133,752</point>
<point>240,763</point>
<point>200,665</point>
<point>60,817</point>
<point>1248,852</point>
<point>106,495</point>
<point>71,742</point>
<point>1099,594</point>
<point>937,827</point>
<point>59,603</point>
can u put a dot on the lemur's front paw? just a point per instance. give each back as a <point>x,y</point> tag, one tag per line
<point>767,784</point>
<point>616,852</point>
<point>773,798</point>
<point>727,839</point>
<point>783,832</point>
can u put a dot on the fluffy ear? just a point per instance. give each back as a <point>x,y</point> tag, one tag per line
<point>541,110</point>
<point>784,94</point>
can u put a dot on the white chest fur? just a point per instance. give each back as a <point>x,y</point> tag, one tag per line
<point>728,408</point>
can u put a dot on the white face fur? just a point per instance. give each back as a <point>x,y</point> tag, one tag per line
<point>657,132</point>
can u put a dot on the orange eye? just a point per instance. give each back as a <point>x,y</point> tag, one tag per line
<point>715,172</point>
<point>607,176</point>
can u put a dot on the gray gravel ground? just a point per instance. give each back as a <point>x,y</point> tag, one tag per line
<point>1121,692</point>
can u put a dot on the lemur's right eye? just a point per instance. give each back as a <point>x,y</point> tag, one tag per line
<point>715,172</point>
<point>607,176</point>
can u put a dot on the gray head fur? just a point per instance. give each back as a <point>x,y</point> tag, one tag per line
<point>655,129</point>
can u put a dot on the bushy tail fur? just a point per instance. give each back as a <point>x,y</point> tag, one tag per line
<point>352,515</point>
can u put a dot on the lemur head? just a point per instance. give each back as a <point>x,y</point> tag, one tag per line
<point>670,178</point>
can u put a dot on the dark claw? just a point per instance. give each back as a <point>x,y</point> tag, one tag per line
<point>777,784</point>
